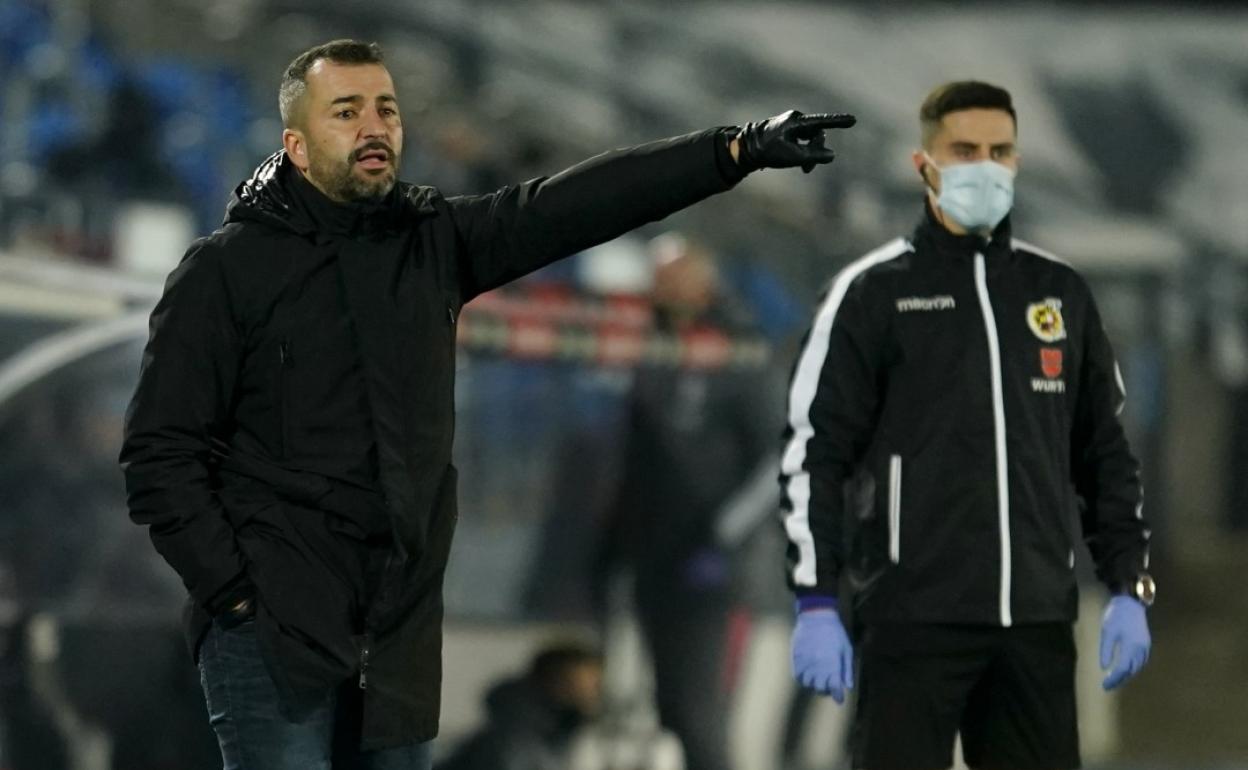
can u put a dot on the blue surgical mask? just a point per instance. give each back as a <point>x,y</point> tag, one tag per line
<point>975,195</point>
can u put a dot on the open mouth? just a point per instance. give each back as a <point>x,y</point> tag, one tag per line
<point>373,158</point>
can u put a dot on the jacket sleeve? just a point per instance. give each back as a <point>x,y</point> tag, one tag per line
<point>832,412</point>
<point>521,228</point>
<point>185,386</point>
<point>1106,475</point>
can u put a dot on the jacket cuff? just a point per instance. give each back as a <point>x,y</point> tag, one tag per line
<point>237,590</point>
<point>816,602</point>
<point>729,169</point>
<point>1119,577</point>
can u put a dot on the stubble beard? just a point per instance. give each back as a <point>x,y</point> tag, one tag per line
<point>339,181</point>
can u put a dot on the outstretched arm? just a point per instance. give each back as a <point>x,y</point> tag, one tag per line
<point>523,227</point>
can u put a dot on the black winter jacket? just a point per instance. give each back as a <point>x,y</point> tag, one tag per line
<point>252,385</point>
<point>953,422</point>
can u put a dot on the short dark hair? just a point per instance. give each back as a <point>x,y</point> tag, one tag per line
<point>295,79</point>
<point>554,661</point>
<point>961,95</point>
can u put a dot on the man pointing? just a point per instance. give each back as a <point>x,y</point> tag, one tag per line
<point>289,444</point>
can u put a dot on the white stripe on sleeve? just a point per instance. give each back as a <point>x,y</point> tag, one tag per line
<point>802,395</point>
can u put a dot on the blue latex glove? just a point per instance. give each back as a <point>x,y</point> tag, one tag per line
<point>823,658</point>
<point>1124,628</point>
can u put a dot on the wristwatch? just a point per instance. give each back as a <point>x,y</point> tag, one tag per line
<point>1143,589</point>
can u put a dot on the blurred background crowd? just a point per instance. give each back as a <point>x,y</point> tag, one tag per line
<point>584,390</point>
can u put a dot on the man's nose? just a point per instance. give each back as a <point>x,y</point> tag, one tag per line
<point>374,126</point>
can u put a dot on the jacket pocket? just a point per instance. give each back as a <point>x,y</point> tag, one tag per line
<point>285,363</point>
<point>894,509</point>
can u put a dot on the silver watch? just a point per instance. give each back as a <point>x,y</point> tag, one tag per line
<point>1143,588</point>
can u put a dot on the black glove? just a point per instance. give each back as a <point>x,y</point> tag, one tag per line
<point>788,140</point>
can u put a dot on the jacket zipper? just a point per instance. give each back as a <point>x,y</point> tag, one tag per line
<point>894,509</point>
<point>375,601</point>
<point>287,360</point>
<point>365,649</point>
<point>998,424</point>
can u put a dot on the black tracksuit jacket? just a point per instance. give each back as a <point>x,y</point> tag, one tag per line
<point>296,402</point>
<point>953,431</point>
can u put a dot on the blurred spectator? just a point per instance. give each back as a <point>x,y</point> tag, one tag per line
<point>1228,344</point>
<point>535,718</point>
<point>125,157</point>
<point>86,649</point>
<point>697,480</point>
<point>123,162</point>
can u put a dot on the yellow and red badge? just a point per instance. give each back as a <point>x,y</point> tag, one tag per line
<point>1045,320</point>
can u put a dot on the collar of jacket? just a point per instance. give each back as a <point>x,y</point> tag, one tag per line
<point>276,194</point>
<point>930,236</point>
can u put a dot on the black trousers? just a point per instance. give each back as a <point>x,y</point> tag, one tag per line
<point>1010,692</point>
<point>687,634</point>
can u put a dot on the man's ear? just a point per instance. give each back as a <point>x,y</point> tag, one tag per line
<point>296,147</point>
<point>919,159</point>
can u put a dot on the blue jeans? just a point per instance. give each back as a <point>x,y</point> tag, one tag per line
<point>244,712</point>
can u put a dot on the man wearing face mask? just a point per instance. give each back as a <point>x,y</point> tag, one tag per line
<point>953,429</point>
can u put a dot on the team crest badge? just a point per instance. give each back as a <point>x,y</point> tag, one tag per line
<point>1045,320</point>
<point>1051,362</point>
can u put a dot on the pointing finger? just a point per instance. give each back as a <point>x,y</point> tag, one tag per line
<point>826,120</point>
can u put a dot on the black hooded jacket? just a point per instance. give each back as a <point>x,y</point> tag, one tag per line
<point>291,431</point>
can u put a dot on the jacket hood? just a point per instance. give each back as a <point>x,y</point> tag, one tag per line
<point>268,196</point>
